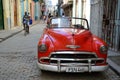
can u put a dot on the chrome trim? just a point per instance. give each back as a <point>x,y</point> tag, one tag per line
<point>67,59</point>
<point>72,52</point>
<point>58,66</point>
<point>89,65</point>
<point>75,59</point>
<point>63,68</point>
<point>73,46</point>
<point>89,60</point>
<point>43,58</point>
<point>76,64</point>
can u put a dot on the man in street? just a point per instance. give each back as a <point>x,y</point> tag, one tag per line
<point>26,19</point>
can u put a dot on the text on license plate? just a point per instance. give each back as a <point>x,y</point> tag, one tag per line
<point>75,69</point>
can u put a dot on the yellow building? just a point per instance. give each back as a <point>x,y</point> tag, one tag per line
<point>13,11</point>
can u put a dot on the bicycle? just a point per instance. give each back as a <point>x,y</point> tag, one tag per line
<point>26,31</point>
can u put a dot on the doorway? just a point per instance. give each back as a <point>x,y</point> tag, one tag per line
<point>1,16</point>
<point>15,12</point>
<point>111,25</point>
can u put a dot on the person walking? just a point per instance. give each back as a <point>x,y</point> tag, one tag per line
<point>48,18</point>
<point>26,19</point>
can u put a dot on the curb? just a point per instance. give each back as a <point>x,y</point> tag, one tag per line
<point>114,66</point>
<point>3,39</point>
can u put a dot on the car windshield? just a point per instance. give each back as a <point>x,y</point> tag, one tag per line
<point>65,22</point>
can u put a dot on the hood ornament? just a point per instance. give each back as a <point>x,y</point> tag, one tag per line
<point>73,46</point>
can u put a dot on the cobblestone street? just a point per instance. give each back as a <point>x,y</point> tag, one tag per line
<point>22,66</point>
<point>18,66</point>
<point>18,61</point>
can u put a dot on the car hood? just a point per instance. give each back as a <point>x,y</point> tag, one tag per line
<point>71,39</point>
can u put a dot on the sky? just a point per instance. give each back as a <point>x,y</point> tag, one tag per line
<point>51,2</point>
<point>54,2</point>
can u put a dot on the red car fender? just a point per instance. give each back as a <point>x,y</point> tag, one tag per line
<point>97,43</point>
<point>45,40</point>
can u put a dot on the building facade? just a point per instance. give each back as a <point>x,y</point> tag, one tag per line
<point>67,7</point>
<point>111,23</point>
<point>96,17</point>
<point>105,21</point>
<point>77,8</point>
<point>13,12</point>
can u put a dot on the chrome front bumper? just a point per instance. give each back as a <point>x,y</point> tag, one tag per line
<point>64,61</point>
<point>63,67</point>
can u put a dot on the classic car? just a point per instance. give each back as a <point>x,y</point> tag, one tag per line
<point>67,45</point>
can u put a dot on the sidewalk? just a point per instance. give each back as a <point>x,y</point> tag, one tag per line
<point>114,61</point>
<point>113,57</point>
<point>5,34</point>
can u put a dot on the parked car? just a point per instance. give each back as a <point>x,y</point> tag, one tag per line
<point>67,45</point>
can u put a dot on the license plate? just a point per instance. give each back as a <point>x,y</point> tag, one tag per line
<point>75,69</point>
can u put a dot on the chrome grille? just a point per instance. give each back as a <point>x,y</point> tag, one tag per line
<point>73,55</point>
<point>67,61</point>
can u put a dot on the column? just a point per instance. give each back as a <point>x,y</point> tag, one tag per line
<point>6,13</point>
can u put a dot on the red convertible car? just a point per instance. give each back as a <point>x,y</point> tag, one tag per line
<point>67,45</point>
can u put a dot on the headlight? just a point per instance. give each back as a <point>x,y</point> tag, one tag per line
<point>103,49</point>
<point>42,48</point>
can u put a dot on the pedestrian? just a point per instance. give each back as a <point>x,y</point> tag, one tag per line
<point>26,19</point>
<point>48,19</point>
<point>44,18</point>
<point>49,15</point>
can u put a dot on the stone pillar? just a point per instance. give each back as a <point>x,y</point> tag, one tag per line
<point>11,6</point>
<point>6,9</point>
<point>19,18</point>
